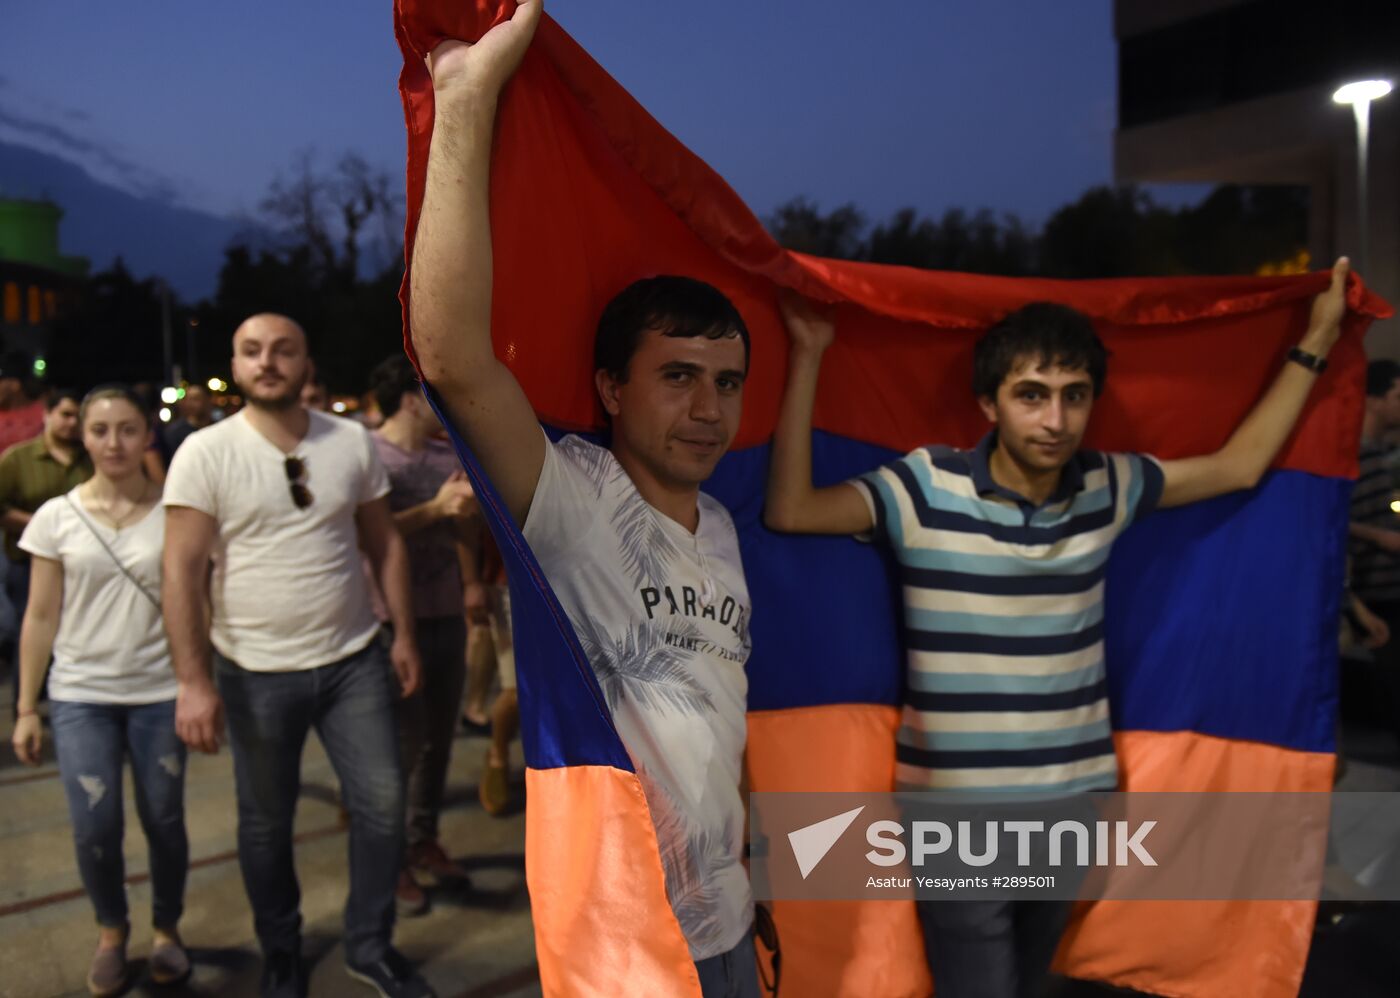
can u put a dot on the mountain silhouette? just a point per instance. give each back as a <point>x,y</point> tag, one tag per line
<point>101,222</point>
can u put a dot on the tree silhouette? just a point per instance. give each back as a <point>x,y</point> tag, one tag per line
<point>1107,232</point>
<point>113,332</point>
<point>330,256</point>
<point>334,265</point>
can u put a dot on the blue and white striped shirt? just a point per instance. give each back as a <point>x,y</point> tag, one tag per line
<point>1003,616</point>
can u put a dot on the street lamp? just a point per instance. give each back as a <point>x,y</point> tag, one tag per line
<point>1359,95</point>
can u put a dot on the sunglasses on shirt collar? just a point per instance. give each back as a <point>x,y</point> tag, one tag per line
<point>296,471</point>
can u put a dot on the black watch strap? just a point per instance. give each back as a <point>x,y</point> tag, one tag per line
<point>1311,361</point>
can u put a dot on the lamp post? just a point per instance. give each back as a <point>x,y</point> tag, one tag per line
<point>1359,95</point>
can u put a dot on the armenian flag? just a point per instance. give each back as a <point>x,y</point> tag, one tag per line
<point>1221,618</point>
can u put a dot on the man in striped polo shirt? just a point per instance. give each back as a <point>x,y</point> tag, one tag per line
<point>1002,551</point>
<point>1375,527</point>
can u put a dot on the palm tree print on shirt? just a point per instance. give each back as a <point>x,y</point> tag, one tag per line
<point>641,666</point>
<point>647,550</point>
<point>689,856</point>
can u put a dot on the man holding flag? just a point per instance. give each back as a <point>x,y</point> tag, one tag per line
<point>1002,554</point>
<point>646,566</point>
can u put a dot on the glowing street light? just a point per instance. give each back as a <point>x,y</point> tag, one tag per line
<point>170,395</point>
<point>1362,90</point>
<point>1359,95</point>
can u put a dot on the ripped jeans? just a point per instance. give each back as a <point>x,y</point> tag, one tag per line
<point>91,741</point>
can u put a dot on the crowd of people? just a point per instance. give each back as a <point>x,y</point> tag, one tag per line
<point>249,579</point>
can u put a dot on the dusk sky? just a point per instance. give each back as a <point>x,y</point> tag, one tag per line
<point>1007,104</point>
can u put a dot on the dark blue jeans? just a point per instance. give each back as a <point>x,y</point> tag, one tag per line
<point>91,740</point>
<point>350,703</point>
<point>730,975</point>
<point>998,948</point>
<point>428,721</point>
<point>992,949</point>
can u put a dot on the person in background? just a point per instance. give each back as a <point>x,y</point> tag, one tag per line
<point>95,608</point>
<point>1375,526</point>
<point>31,473</point>
<point>369,415</point>
<point>490,650</point>
<point>196,412</point>
<point>435,509</point>
<point>315,394</point>
<point>21,416</point>
<point>285,502</point>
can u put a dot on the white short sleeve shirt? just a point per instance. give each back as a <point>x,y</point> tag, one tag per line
<point>288,589</point>
<point>110,646</point>
<point>663,616</point>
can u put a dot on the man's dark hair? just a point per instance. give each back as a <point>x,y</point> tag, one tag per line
<point>1056,335</point>
<point>60,394</point>
<point>390,380</point>
<point>1380,377</point>
<point>674,306</point>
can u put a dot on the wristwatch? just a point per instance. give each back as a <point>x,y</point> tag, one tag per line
<point>1311,361</point>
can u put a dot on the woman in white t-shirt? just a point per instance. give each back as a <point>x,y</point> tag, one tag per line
<point>94,606</point>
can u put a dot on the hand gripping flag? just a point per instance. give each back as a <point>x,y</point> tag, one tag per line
<point>1221,617</point>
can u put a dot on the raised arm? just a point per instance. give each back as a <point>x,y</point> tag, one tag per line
<point>794,506</point>
<point>1257,440</point>
<point>455,500</point>
<point>36,636</point>
<point>450,279</point>
<point>189,541</point>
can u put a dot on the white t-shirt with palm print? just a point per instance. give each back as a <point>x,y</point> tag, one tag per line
<point>663,616</point>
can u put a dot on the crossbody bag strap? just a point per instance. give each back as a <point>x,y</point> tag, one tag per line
<point>68,496</point>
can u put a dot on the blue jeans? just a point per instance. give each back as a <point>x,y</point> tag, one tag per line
<point>730,975</point>
<point>350,703</point>
<point>998,947</point>
<point>991,949</point>
<point>91,740</point>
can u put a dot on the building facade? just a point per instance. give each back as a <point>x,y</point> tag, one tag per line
<point>36,281</point>
<point>1240,91</point>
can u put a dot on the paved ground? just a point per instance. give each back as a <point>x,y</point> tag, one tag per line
<point>473,944</point>
<point>476,943</point>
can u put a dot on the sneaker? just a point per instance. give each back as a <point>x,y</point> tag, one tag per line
<point>430,862</point>
<point>409,898</point>
<point>494,788</point>
<point>392,976</point>
<point>283,976</point>
<point>109,972</point>
<point>169,963</point>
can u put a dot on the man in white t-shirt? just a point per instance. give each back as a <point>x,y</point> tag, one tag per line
<point>646,566</point>
<point>283,501</point>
